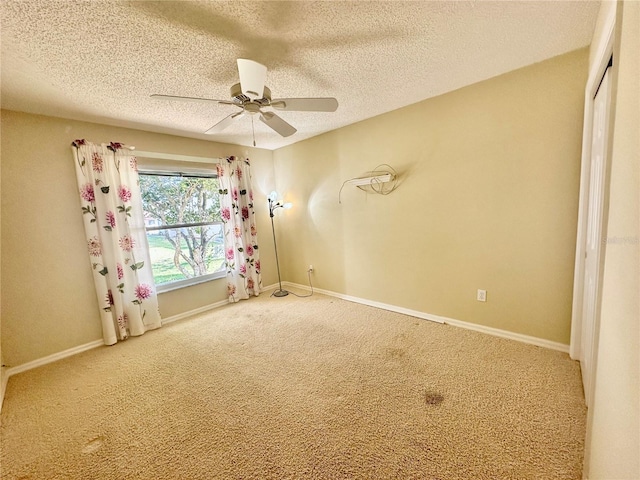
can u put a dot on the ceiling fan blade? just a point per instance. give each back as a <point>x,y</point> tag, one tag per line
<point>278,124</point>
<point>189,99</point>
<point>252,78</point>
<point>305,104</point>
<point>224,123</point>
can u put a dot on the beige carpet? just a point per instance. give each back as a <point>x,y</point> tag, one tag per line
<point>284,388</point>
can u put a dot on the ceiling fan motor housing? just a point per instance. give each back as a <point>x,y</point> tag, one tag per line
<point>241,99</point>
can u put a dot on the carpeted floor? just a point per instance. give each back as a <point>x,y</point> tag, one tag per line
<point>287,388</point>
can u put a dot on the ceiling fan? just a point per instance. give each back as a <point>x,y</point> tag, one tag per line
<point>252,96</point>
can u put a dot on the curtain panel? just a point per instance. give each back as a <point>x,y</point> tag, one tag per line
<point>242,258</point>
<point>111,207</point>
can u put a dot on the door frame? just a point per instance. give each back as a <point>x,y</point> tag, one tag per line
<point>598,68</point>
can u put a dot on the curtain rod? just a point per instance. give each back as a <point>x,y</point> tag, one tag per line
<point>163,156</point>
<point>173,156</point>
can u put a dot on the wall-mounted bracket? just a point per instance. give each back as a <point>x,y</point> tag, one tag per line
<point>371,179</point>
<point>382,180</point>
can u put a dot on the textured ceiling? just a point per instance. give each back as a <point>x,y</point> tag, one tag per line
<point>100,60</point>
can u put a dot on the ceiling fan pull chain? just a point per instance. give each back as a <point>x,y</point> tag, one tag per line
<point>253,129</point>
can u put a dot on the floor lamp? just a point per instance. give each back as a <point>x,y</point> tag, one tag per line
<point>273,204</point>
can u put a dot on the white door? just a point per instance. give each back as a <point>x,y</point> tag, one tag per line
<point>590,327</point>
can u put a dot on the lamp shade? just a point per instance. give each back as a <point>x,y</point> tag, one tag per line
<point>287,205</point>
<point>273,196</point>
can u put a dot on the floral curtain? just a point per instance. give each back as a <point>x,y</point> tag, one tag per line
<point>111,205</point>
<point>240,235</point>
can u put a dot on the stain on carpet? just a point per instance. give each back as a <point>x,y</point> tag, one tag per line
<point>93,445</point>
<point>433,398</point>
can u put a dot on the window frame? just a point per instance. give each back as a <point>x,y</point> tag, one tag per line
<point>174,169</point>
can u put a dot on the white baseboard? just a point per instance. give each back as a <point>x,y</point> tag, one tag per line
<point>7,372</point>
<point>97,343</point>
<point>195,311</point>
<point>54,357</point>
<point>269,287</point>
<point>371,303</point>
<point>496,332</point>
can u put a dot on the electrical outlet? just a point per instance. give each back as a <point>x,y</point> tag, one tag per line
<point>310,268</point>
<point>482,296</point>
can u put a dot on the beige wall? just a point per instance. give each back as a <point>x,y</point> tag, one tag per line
<point>48,303</point>
<point>613,439</point>
<point>488,200</point>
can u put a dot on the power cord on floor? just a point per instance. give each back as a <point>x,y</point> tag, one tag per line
<point>310,285</point>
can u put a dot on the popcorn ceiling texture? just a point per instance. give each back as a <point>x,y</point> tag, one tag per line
<point>100,60</point>
<point>290,388</point>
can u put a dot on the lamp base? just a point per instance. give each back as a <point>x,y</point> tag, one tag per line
<point>280,293</point>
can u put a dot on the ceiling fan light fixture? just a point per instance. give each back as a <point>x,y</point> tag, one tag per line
<point>252,108</point>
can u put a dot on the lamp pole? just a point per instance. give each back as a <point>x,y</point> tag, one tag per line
<point>272,206</point>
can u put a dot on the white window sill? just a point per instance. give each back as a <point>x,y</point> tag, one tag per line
<point>167,287</point>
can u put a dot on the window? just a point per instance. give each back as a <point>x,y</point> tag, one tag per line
<point>184,229</point>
